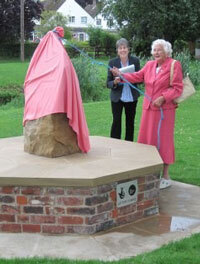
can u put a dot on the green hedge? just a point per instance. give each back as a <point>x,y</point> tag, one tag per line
<point>8,93</point>
<point>13,50</point>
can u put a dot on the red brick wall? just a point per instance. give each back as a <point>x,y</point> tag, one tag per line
<point>86,210</point>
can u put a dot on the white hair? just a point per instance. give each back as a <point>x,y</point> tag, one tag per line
<point>165,44</point>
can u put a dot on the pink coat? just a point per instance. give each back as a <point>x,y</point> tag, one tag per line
<point>158,84</point>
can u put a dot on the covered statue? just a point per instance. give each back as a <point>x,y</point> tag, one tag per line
<point>54,120</point>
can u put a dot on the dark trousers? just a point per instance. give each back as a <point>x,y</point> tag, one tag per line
<point>130,111</point>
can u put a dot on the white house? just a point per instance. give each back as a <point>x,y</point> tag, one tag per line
<point>80,18</point>
<point>99,20</point>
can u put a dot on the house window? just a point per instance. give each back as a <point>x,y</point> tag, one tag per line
<point>98,21</point>
<point>83,20</point>
<point>110,22</point>
<point>72,19</point>
<point>75,36</point>
<point>81,37</point>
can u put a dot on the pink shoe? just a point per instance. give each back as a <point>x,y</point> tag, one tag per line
<point>165,183</point>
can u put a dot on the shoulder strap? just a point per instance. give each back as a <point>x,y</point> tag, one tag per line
<point>172,72</point>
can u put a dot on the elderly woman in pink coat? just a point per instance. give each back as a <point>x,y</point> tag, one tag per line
<point>159,94</point>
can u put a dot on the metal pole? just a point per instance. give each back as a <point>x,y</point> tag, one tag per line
<point>22,29</point>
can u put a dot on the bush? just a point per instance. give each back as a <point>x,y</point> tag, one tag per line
<point>95,35</point>
<point>72,52</point>
<point>89,79</point>
<point>8,93</point>
<point>109,43</point>
<point>180,46</point>
<point>102,40</point>
<point>141,48</point>
<point>184,58</point>
<point>191,67</point>
<point>17,102</point>
<point>81,45</point>
<point>194,73</point>
<point>13,50</point>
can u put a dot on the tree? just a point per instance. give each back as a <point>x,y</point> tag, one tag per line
<point>150,19</point>
<point>49,20</point>
<point>109,42</point>
<point>10,19</point>
<point>95,35</point>
<point>101,39</point>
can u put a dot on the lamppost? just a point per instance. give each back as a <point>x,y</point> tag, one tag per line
<point>22,29</point>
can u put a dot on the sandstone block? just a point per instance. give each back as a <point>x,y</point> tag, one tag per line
<point>50,136</point>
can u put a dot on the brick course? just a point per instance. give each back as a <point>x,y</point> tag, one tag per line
<point>83,210</point>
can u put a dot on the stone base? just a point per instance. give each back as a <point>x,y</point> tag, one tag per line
<point>50,136</point>
<point>76,193</point>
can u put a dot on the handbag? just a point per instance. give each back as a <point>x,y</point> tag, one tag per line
<point>188,87</point>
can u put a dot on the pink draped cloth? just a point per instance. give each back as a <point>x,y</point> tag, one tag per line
<point>51,86</point>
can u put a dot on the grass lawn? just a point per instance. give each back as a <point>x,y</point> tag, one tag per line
<point>12,72</point>
<point>187,142</point>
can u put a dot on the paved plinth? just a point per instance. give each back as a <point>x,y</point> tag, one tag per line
<point>77,193</point>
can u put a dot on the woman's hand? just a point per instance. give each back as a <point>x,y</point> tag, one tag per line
<point>158,101</point>
<point>116,80</point>
<point>115,71</point>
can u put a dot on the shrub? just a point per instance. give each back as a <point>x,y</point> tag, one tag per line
<point>102,40</point>
<point>194,73</point>
<point>184,58</point>
<point>95,35</point>
<point>141,47</point>
<point>71,51</point>
<point>109,43</point>
<point>12,50</point>
<point>81,45</point>
<point>191,67</point>
<point>8,93</point>
<point>89,79</point>
<point>16,102</point>
<point>180,45</point>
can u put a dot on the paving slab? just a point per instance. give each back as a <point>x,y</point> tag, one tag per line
<point>108,160</point>
<point>179,217</point>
